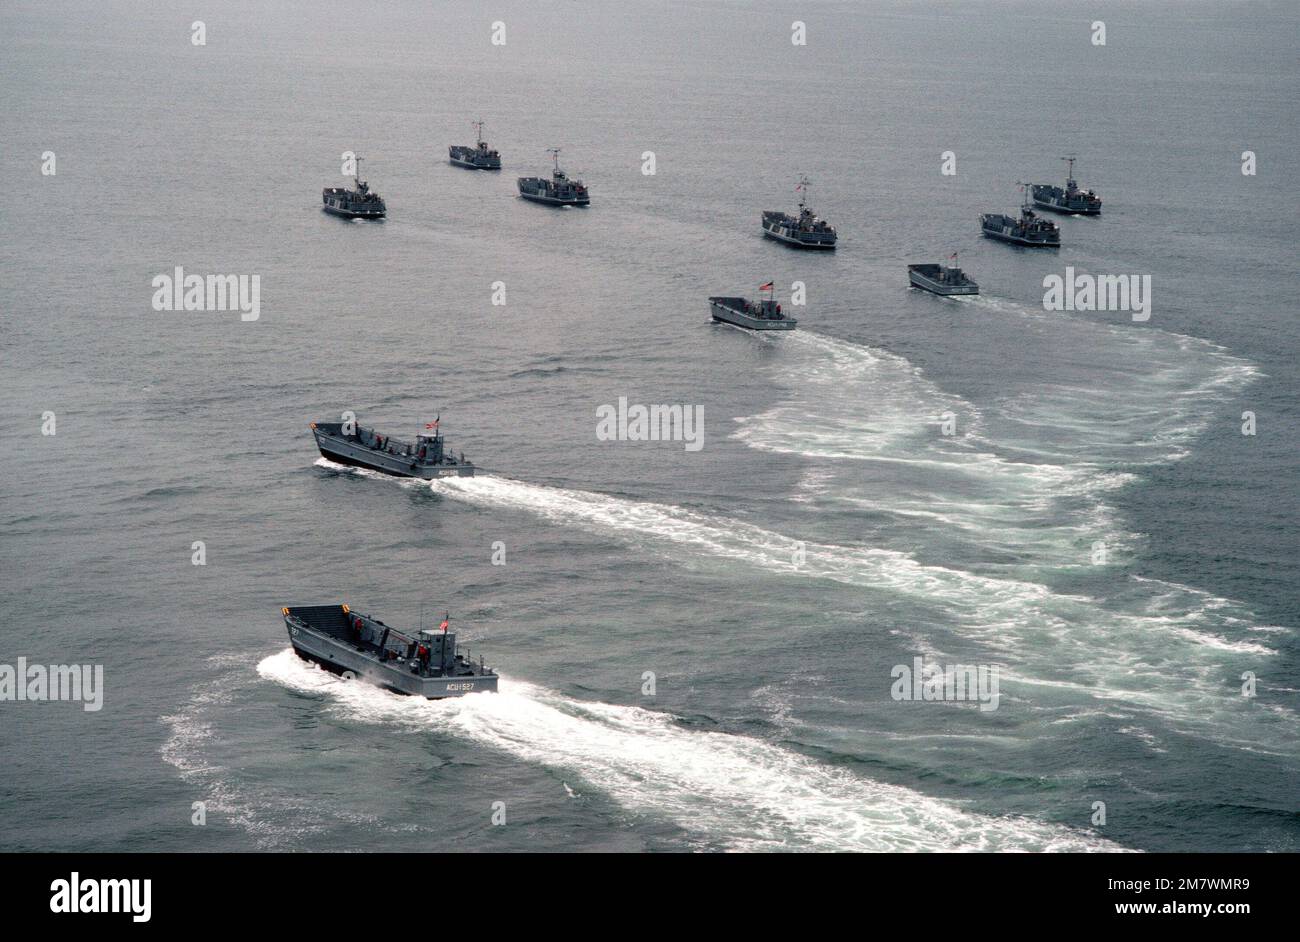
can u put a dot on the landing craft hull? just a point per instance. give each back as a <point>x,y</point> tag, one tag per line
<point>1017,240</point>
<point>354,214</point>
<point>555,200</point>
<point>1073,210</point>
<point>339,658</point>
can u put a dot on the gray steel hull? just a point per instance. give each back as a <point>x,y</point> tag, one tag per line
<point>555,200</point>
<point>1070,210</point>
<point>345,659</point>
<point>729,315</point>
<point>355,455</point>
<point>1012,239</point>
<point>472,162</point>
<point>353,213</point>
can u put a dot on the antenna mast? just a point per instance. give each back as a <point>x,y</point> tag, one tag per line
<point>1069,173</point>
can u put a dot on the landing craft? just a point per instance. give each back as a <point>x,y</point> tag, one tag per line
<point>478,157</point>
<point>947,279</point>
<point>350,444</point>
<point>557,191</point>
<point>361,202</point>
<point>1028,230</point>
<point>424,664</point>
<point>806,231</point>
<point>1068,200</point>
<point>763,314</point>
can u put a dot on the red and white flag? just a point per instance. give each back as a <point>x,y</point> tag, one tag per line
<point>765,287</point>
<point>445,620</point>
<point>431,425</point>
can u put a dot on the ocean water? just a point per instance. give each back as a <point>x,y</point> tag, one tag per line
<point>826,531</point>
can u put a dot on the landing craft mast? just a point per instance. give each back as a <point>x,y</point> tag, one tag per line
<point>555,153</point>
<point>1027,205</point>
<point>802,188</point>
<point>1069,173</point>
<point>478,132</point>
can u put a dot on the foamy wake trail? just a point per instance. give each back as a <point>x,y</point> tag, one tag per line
<point>1170,661</point>
<point>738,792</point>
<point>848,402</point>
<point>1157,393</point>
<point>1027,476</point>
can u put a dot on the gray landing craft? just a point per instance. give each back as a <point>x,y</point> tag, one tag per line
<point>424,664</point>
<point>805,231</point>
<point>764,314</point>
<point>1028,230</point>
<point>1068,200</point>
<point>366,448</point>
<point>942,279</point>
<point>361,202</point>
<point>478,157</point>
<point>557,191</point>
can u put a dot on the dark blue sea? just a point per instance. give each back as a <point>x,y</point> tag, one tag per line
<point>827,531</point>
